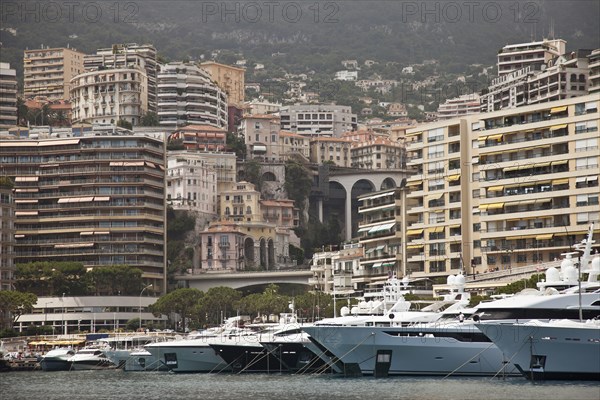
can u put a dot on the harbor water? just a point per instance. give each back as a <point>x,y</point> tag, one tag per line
<point>117,384</point>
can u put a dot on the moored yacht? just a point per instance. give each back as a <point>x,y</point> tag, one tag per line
<point>57,359</point>
<point>194,354</point>
<point>90,358</point>
<point>562,349</point>
<point>455,345</point>
<point>247,354</point>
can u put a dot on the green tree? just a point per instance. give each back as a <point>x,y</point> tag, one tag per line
<point>183,302</point>
<point>298,182</point>
<point>237,144</point>
<point>124,124</point>
<point>175,144</point>
<point>179,223</point>
<point>270,301</point>
<point>252,169</point>
<point>149,119</point>
<point>22,112</point>
<point>133,324</point>
<point>517,286</point>
<point>218,303</point>
<point>13,304</point>
<point>314,305</point>
<point>115,280</point>
<point>52,278</point>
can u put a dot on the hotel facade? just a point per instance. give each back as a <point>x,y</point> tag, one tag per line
<point>502,189</point>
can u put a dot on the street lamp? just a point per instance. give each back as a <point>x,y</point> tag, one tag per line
<point>63,315</point>
<point>140,309</point>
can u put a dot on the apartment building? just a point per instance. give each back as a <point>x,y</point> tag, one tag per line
<point>560,78</point>
<point>333,271</point>
<point>594,77</point>
<point>280,212</point>
<point>463,105</point>
<point>8,96</point>
<point>95,197</point>
<point>188,96</point>
<point>7,234</point>
<point>48,72</point>
<point>192,183</point>
<point>381,235</point>
<point>316,120</point>
<point>261,106</point>
<point>259,244</point>
<point>107,96</point>
<point>261,135</point>
<point>127,56</point>
<point>293,145</point>
<point>517,56</point>
<point>380,153</point>
<point>230,79</point>
<point>502,189</point>
<point>331,150</point>
<point>201,137</point>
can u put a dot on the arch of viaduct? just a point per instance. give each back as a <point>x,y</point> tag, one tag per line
<point>356,183</point>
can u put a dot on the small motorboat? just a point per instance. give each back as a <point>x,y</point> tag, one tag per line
<point>90,358</point>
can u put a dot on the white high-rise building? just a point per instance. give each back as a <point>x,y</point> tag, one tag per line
<point>187,95</point>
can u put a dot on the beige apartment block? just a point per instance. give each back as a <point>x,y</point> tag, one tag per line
<point>230,79</point>
<point>517,56</point>
<point>331,150</point>
<point>98,199</point>
<point>380,153</point>
<point>48,72</point>
<point>292,145</point>
<point>502,189</point>
<point>261,135</point>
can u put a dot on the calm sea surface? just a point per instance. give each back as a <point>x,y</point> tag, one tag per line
<point>117,384</point>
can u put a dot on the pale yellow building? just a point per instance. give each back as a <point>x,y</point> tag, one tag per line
<point>329,149</point>
<point>293,145</point>
<point>380,153</point>
<point>230,79</point>
<point>502,189</point>
<point>48,72</point>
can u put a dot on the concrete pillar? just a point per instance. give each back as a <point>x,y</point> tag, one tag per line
<point>348,214</point>
<point>320,209</point>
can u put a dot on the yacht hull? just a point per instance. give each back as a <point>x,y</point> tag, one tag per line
<point>546,352</point>
<point>56,364</point>
<point>187,359</point>
<point>247,358</point>
<point>462,351</point>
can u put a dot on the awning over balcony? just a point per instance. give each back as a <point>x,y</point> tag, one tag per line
<point>547,236</point>
<point>436,229</point>
<point>377,196</point>
<point>414,183</point>
<point>556,110</point>
<point>414,232</point>
<point>557,127</point>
